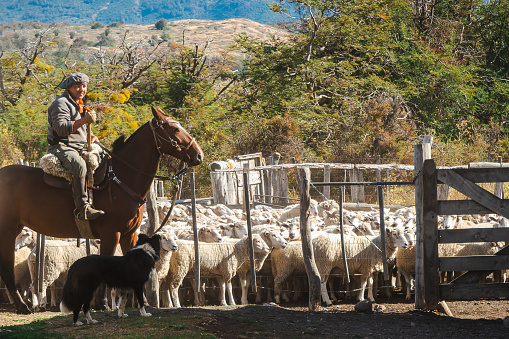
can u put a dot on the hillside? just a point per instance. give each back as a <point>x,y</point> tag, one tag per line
<point>134,11</point>
<point>218,35</point>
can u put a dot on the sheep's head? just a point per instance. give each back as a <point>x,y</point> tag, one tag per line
<point>260,246</point>
<point>276,240</point>
<point>207,234</point>
<point>395,237</point>
<point>169,241</point>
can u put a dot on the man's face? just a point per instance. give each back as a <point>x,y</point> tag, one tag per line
<point>78,91</point>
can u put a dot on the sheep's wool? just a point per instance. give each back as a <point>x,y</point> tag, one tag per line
<point>51,165</point>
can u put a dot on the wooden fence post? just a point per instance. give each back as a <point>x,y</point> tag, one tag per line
<point>382,232</point>
<point>153,215</point>
<point>152,286</point>
<point>195,232</point>
<point>430,234</point>
<point>307,247</point>
<point>248,217</point>
<point>326,178</point>
<point>421,152</point>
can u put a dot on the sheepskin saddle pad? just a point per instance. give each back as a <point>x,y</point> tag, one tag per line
<point>51,165</point>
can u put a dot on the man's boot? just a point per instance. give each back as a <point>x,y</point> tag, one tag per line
<point>79,193</point>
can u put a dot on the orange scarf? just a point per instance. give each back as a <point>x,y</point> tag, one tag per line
<point>82,106</point>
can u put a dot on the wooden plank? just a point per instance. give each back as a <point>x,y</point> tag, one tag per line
<point>419,270</point>
<point>468,235</point>
<point>430,234</point>
<point>460,207</point>
<point>474,277</point>
<point>477,175</point>
<point>487,164</point>
<point>473,291</point>
<point>474,263</point>
<point>476,193</point>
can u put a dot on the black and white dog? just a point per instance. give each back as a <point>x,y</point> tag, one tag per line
<point>130,271</point>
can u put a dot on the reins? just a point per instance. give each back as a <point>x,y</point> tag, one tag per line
<point>157,138</point>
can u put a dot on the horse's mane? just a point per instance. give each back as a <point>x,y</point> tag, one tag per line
<point>121,141</point>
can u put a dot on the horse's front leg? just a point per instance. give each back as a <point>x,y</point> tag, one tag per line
<point>128,241</point>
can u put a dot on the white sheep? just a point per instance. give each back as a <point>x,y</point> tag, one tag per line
<point>25,238</point>
<point>285,262</point>
<point>59,255</point>
<point>220,260</point>
<point>363,256</point>
<point>273,239</point>
<point>293,211</point>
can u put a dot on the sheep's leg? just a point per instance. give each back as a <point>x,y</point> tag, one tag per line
<point>370,287</point>
<point>222,293</point>
<point>277,289</point>
<point>230,292</point>
<point>244,285</point>
<point>113,294</point>
<point>285,292</point>
<point>174,291</point>
<point>53,290</point>
<point>330,282</point>
<point>364,281</point>
<point>122,300</point>
<point>325,296</point>
<point>297,289</point>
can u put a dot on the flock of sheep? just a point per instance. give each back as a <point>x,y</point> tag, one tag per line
<point>279,264</point>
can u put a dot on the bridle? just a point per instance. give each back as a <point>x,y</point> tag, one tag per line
<point>158,139</point>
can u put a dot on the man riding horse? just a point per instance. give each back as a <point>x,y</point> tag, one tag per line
<point>68,117</point>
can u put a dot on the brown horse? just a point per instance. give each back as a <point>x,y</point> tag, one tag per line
<point>25,199</point>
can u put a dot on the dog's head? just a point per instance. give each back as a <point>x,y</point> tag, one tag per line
<point>154,242</point>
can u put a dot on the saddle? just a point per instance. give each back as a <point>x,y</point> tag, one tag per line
<point>56,176</point>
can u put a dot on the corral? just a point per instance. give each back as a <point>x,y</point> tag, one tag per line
<point>428,301</point>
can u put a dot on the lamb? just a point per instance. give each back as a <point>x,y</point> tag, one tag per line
<point>405,262</point>
<point>285,262</point>
<point>25,238</point>
<point>273,239</point>
<point>162,266</point>
<point>363,255</point>
<point>59,255</point>
<point>220,260</point>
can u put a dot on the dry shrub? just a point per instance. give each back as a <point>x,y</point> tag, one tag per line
<point>9,153</point>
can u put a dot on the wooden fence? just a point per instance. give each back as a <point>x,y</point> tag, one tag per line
<point>429,290</point>
<point>269,182</point>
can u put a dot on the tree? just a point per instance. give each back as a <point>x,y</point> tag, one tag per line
<point>161,24</point>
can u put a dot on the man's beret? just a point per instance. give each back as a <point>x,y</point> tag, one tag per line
<point>74,78</point>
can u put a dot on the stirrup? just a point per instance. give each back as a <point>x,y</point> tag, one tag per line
<point>89,213</point>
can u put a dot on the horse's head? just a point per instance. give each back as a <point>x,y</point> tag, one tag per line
<point>171,138</point>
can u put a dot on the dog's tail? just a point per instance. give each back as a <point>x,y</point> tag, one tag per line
<point>64,309</point>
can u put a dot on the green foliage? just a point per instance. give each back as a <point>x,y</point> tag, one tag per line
<point>355,80</point>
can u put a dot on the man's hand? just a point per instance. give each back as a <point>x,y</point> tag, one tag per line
<point>90,116</point>
<point>94,139</point>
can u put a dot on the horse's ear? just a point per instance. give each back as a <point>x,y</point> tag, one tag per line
<point>158,113</point>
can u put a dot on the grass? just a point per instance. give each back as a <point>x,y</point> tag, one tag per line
<point>163,325</point>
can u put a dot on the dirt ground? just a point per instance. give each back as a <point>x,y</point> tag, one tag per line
<point>396,319</point>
